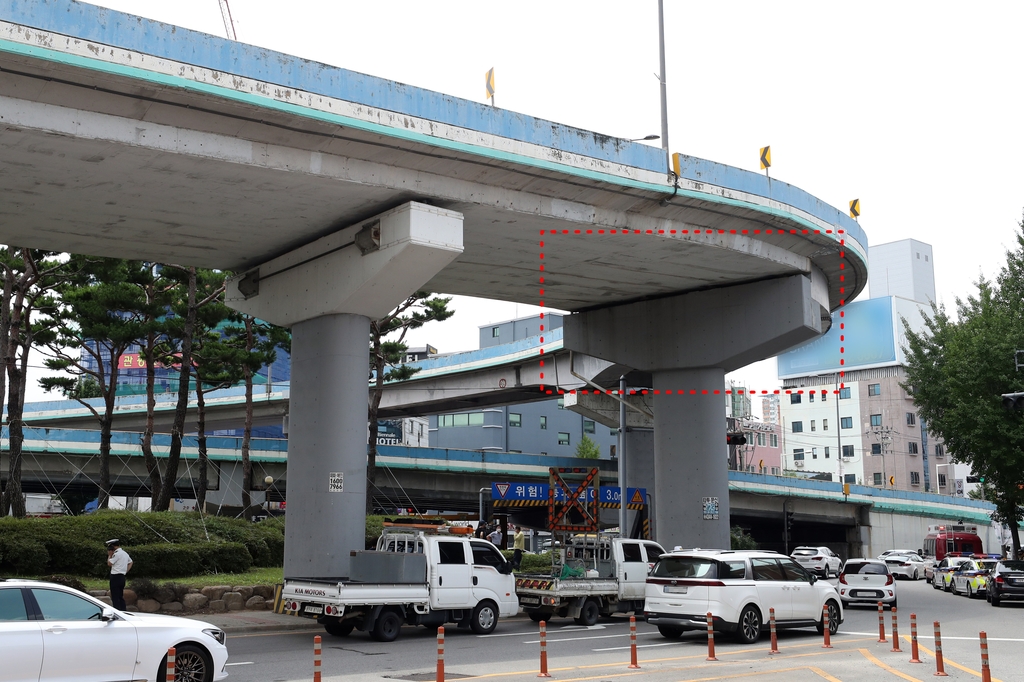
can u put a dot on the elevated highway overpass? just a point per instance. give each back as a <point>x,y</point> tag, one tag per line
<point>866,522</point>
<point>334,195</point>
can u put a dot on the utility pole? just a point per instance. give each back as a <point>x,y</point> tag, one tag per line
<point>622,458</point>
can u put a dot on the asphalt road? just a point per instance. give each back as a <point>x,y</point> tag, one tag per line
<point>273,657</point>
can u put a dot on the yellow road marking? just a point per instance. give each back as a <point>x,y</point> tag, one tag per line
<point>871,657</point>
<point>953,664</point>
<point>823,674</point>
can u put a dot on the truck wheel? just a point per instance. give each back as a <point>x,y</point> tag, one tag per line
<point>589,613</point>
<point>387,627</point>
<point>670,632</point>
<point>339,628</point>
<point>485,618</point>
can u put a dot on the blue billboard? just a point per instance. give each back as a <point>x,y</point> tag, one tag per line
<point>869,340</point>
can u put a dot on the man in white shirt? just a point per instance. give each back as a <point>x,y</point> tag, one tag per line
<point>496,537</point>
<point>120,563</point>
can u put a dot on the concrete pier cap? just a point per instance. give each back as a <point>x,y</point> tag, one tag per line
<point>327,292</point>
<point>687,343</point>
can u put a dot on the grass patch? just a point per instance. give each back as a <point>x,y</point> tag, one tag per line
<point>257,576</point>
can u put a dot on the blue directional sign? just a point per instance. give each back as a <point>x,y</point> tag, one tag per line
<point>538,492</point>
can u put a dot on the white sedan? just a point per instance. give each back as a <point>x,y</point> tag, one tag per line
<point>52,632</point>
<point>910,566</point>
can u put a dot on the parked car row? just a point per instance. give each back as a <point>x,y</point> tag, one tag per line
<point>979,575</point>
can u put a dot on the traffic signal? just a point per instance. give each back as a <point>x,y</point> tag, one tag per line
<point>975,479</point>
<point>789,521</point>
<point>735,439</point>
<point>1013,401</point>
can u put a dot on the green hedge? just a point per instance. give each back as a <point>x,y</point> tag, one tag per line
<point>167,544</point>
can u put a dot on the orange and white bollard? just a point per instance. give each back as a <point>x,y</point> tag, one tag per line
<point>913,639</point>
<point>940,669</point>
<point>771,626</point>
<point>827,629</point>
<point>632,642</point>
<point>881,623</point>
<point>895,633</point>
<point>440,654</point>
<point>543,650</point>
<point>986,672</point>
<point>170,664</point>
<point>711,639</point>
<point>316,658</point>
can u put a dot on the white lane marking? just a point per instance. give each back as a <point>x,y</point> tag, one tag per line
<point>242,663</point>
<point>564,628</point>
<point>576,639</point>
<point>944,637</point>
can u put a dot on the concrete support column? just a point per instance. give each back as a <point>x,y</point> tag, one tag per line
<point>327,437</point>
<point>690,459</point>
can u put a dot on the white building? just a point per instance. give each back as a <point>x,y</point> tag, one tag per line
<point>872,434</point>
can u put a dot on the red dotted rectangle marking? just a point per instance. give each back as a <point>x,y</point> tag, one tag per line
<point>623,232</point>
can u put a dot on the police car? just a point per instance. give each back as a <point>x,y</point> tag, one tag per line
<point>972,575</point>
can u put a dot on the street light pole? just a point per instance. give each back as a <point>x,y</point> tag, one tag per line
<point>664,90</point>
<point>622,457</point>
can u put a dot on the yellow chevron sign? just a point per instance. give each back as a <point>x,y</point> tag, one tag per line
<point>855,208</point>
<point>766,157</point>
<point>490,82</point>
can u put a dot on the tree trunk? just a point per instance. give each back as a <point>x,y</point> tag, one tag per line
<point>152,467</point>
<point>247,432</point>
<point>201,418</point>
<point>181,408</point>
<point>5,353</point>
<point>13,497</point>
<point>373,409</point>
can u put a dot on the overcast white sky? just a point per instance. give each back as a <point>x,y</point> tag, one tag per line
<point>913,107</point>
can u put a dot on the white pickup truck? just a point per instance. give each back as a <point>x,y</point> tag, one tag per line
<point>614,576</point>
<point>415,577</point>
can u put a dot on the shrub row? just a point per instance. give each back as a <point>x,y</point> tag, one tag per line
<point>168,544</point>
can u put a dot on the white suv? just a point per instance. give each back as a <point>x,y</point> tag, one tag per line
<point>737,588</point>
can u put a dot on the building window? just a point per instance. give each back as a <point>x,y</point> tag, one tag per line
<point>844,393</point>
<point>911,419</point>
<point>563,438</point>
<point>813,428</point>
<point>942,480</point>
<point>847,451</point>
<point>876,448</point>
<point>810,398</point>
<point>915,478</point>
<point>515,419</point>
<point>824,425</point>
<point>814,453</point>
<point>773,440</point>
<point>939,451</point>
<point>846,423</point>
<point>760,439</point>
<point>495,332</point>
<point>795,398</point>
<point>876,420</point>
<point>877,477</point>
<point>776,471</point>
<point>874,389</point>
<point>824,396</point>
<point>912,447</point>
<point>798,427</point>
<point>464,419</point>
<point>561,403</point>
<point>826,452</point>
<point>798,455</point>
<point>588,426</point>
<point>543,423</point>
<point>613,432</point>
<point>849,478</point>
